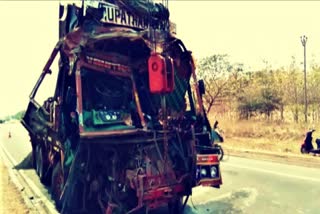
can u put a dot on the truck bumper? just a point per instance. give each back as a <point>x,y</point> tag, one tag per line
<point>208,170</point>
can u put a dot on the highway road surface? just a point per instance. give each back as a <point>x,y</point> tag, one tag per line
<point>249,186</point>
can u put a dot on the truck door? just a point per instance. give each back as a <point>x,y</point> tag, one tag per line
<point>38,117</point>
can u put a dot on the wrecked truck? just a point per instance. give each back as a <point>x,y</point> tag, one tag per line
<point>125,129</point>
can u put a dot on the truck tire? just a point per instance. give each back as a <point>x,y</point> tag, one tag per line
<point>41,166</point>
<point>33,152</point>
<point>57,184</point>
<point>34,158</point>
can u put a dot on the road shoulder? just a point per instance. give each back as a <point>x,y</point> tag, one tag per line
<point>305,160</point>
<point>11,200</point>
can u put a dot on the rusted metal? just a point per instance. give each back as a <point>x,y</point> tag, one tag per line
<point>121,145</point>
<point>46,69</point>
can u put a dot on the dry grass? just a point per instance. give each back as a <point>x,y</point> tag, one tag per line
<point>262,135</point>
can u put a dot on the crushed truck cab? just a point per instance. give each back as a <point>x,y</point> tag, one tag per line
<point>125,129</point>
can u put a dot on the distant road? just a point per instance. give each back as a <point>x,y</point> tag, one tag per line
<point>249,186</point>
<point>252,186</point>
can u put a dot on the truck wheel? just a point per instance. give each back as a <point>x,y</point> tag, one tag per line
<point>57,184</point>
<point>38,161</point>
<point>175,207</point>
<point>34,158</point>
<point>41,168</point>
<point>33,153</point>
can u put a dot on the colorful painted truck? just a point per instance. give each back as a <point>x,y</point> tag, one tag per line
<point>125,129</point>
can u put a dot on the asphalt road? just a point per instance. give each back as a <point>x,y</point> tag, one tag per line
<point>249,186</point>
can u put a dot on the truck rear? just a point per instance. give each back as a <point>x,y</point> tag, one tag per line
<point>125,129</point>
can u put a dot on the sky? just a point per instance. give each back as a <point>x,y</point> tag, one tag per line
<point>250,32</point>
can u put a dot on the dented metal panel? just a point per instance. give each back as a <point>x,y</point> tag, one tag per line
<point>106,141</point>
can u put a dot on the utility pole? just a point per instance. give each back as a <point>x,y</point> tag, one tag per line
<point>304,42</point>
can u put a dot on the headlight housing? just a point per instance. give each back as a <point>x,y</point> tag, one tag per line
<point>203,172</point>
<point>213,172</point>
<point>207,172</point>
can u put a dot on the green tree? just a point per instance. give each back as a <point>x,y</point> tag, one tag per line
<point>293,93</point>
<point>313,91</point>
<point>261,95</point>
<point>219,76</point>
<point>16,116</point>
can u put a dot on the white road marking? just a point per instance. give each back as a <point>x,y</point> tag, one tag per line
<point>273,172</point>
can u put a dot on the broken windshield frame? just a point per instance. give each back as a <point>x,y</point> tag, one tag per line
<point>105,100</point>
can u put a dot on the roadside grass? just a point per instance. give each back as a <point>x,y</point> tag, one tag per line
<point>263,135</point>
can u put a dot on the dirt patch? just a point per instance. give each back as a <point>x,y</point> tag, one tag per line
<point>10,198</point>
